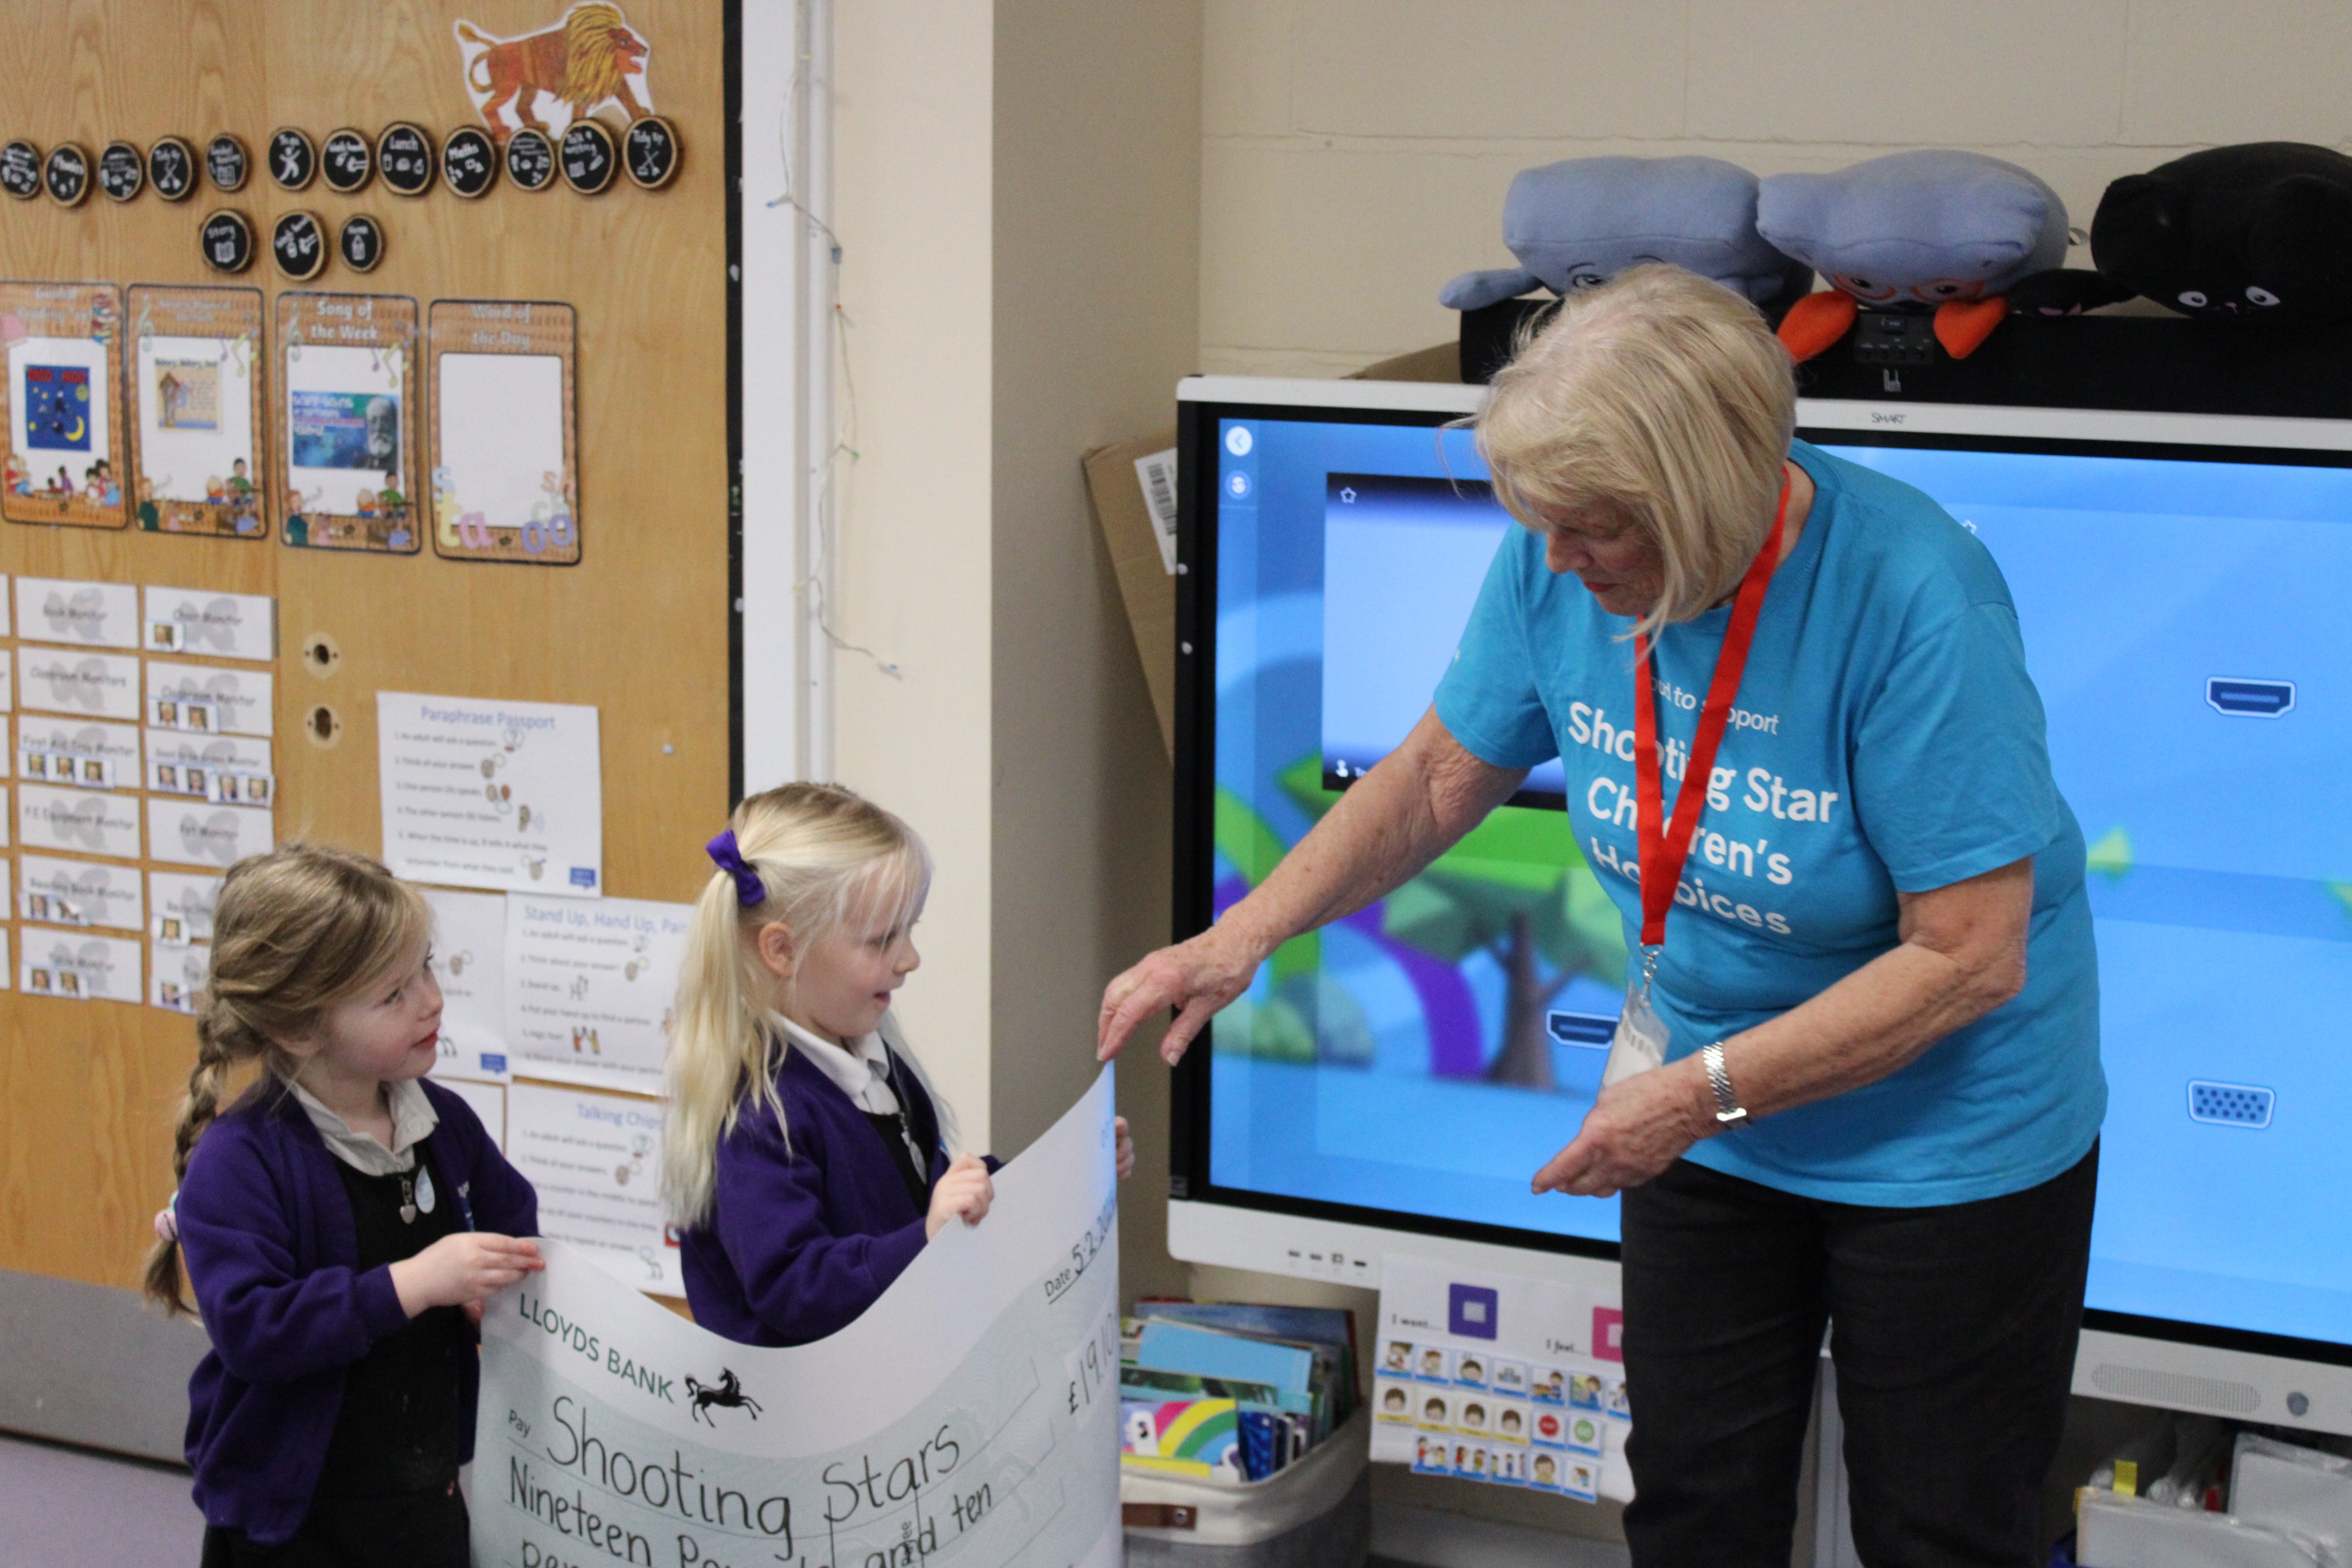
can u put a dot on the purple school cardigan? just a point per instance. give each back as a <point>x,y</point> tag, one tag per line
<point>801,1241</point>
<point>267,1232</point>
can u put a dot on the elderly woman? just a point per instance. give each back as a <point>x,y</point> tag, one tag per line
<point>1857,1082</point>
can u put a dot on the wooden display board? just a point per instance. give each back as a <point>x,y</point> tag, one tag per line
<point>637,627</point>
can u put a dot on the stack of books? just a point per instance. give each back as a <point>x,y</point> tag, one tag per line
<point>1232,1392</point>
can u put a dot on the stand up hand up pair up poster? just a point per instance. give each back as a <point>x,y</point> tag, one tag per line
<point>971,1414</point>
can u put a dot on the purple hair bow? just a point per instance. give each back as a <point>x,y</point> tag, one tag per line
<point>750,891</point>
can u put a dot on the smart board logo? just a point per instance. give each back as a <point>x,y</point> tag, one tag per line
<point>727,1394</point>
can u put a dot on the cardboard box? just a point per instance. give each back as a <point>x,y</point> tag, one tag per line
<point>1145,583</point>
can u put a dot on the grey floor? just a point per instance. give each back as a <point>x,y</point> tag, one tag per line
<point>68,1508</point>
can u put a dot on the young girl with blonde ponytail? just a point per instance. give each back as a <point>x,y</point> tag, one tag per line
<point>805,1154</point>
<point>341,1223</point>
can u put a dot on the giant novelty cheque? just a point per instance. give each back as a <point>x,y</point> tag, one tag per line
<point>970,1416</point>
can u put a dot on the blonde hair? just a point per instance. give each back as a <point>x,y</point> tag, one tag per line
<point>824,855</point>
<point>296,933</point>
<point>1659,398</point>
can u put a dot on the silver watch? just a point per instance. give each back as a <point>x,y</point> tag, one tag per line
<point>1729,1111</point>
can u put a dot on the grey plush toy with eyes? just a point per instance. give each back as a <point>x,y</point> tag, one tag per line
<point>1942,230</point>
<point>1578,223</point>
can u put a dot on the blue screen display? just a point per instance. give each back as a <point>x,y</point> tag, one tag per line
<point>2184,620</point>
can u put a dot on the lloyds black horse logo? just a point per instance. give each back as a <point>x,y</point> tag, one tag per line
<point>728,1395</point>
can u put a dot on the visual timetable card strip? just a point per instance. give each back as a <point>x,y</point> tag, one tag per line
<point>198,412</point>
<point>502,375</point>
<point>61,398</point>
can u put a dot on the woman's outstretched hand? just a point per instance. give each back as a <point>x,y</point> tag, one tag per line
<point>1200,977</point>
<point>1638,1127</point>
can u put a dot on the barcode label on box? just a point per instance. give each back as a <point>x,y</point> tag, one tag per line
<point>1157,474</point>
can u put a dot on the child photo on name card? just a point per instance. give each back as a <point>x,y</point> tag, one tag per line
<point>196,410</point>
<point>346,419</point>
<point>505,457</point>
<point>63,463</point>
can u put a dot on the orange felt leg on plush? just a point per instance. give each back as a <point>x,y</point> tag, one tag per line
<point>1963,325</point>
<point>1816,322</point>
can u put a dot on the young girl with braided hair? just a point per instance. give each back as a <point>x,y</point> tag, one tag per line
<point>804,1153</point>
<point>342,1221</point>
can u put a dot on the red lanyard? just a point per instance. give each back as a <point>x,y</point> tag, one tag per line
<point>1662,854</point>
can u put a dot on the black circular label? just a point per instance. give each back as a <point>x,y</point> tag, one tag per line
<point>530,159</point>
<point>469,161</point>
<point>649,152</point>
<point>20,170</point>
<point>362,242</point>
<point>228,241</point>
<point>404,156</point>
<point>225,162</point>
<point>67,175</point>
<point>300,246</point>
<point>293,160</point>
<point>347,160</point>
<point>120,171</point>
<point>172,167</point>
<point>588,159</point>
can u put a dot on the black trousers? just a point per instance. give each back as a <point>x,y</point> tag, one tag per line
<point>421,1529</point>
<point>1954,1338</point>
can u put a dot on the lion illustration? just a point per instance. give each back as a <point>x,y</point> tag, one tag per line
<point>581,61</point>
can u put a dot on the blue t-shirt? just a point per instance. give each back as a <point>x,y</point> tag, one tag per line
<point>1886,737</point>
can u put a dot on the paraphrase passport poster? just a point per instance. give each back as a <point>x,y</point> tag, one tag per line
<point>504,796</point>
<point>970,1416</point>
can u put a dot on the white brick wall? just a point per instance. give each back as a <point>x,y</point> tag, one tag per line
<point>1354,153</point>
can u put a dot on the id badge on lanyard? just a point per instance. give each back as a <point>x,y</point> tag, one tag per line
<point>1642,1035</point>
